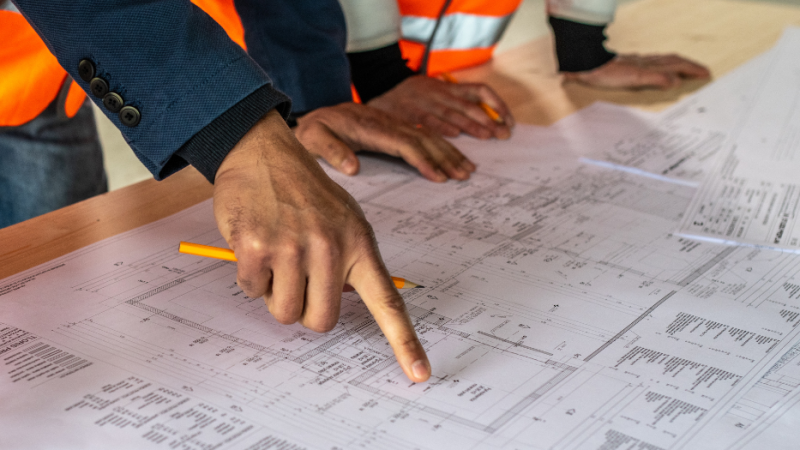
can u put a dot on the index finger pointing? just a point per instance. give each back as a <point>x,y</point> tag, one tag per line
<point>370,278</point>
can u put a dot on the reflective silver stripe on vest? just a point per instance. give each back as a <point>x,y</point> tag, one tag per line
<point>457,31</point>
<point>7,5</point>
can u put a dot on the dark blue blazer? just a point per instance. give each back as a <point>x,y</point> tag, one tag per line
<point>172,62</point>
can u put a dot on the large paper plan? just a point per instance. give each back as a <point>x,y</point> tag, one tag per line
<point>561,309</point>
<point>753,196</point>
<point>559,312</point>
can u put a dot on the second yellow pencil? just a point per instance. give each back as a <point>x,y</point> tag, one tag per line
<point>484,106</point>
<point>226,254</point>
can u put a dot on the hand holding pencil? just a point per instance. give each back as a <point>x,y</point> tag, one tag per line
<point>448,107</point>
<point>494,115</point>
<point>225,254</point>
<point>299,238</point>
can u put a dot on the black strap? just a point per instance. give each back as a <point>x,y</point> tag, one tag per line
<point>579,46</point>
<point>377,71</point>
<point>423,65</point>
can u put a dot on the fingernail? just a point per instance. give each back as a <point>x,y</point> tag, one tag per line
<point>468,166</point>
<point>440,175</point>
<point>420,369</point>
<point>348,166</point>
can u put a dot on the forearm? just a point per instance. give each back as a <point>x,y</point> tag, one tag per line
<point>301,44</point>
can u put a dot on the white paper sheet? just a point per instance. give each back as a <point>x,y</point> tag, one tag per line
<point>753,197</point>
<point>779,431</point>
<point>758,417</point>
<point>559,313</point>
<point>682,143</point>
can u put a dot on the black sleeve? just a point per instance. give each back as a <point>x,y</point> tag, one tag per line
<point>579,46</point>
<point>206,149</point>
<point>376,71</point>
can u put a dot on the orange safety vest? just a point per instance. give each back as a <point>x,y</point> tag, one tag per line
<point>460,33</point>
<point>31,77</point>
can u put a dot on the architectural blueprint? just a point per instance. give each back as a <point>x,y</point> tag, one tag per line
<point>759,419</point>
<point>753,195</point>
<point>779,431</point>
<point>559,312</point>
<point>680,144</point>
<point>657,148</point>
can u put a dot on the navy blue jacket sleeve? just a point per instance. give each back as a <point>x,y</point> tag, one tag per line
<point>301,44</point>
<point>168,59</point>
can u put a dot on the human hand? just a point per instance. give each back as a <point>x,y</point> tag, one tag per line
<point>299,238</point>
<point>639,72</point>
<point>448,109</point>
<point>335,133</point>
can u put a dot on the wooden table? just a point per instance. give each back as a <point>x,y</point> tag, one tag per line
<point>718,33</point>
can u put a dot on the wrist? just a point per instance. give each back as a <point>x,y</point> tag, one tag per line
<point>377,71</point>
<point>268,133</point>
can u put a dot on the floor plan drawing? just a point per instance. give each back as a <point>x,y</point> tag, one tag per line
<point>559,312</point>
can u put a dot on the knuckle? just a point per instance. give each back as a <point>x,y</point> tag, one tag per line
<point>324,244</point>
<point>409,343</point>
<point>252,249</point>
<point>321,326</point>
<point>284,319</point>
<point>364,235</point>
<point>247,287</point>
<point>284,311</point>
<point>291,252</point>
<point>409,141</point>
<point>393,304</point>
<point>439,110</point>
<point>451,115</point>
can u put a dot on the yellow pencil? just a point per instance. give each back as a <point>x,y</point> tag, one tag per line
<point>486,108</point>
<point>227,255</point>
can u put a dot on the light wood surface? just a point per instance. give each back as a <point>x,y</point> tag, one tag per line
<point>718,33</point>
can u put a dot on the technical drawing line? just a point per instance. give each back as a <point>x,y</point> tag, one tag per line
<point>340,337</point>
<point>135,300</point>
<point>515,344</point>
<point>528,400</point>
<point>527,232</point>
<point>697,273</point>
<point>205,329</point>
<point>631,325</point>
<point>495,425</point>
<point>620,267</point>
<point>386,189</point>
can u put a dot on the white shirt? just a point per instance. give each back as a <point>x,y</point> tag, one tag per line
<point>372,24</point>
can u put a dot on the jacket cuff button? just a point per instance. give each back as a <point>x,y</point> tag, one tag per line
<point>113,102</point>
<point>86,70</point>
<point>129,116</point>
<point>99,87</point>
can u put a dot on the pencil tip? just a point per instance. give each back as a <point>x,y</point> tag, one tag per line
<point>419,287</point>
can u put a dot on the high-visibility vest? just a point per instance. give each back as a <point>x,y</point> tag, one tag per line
<point>459,33</point>
<point>31,77</point>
